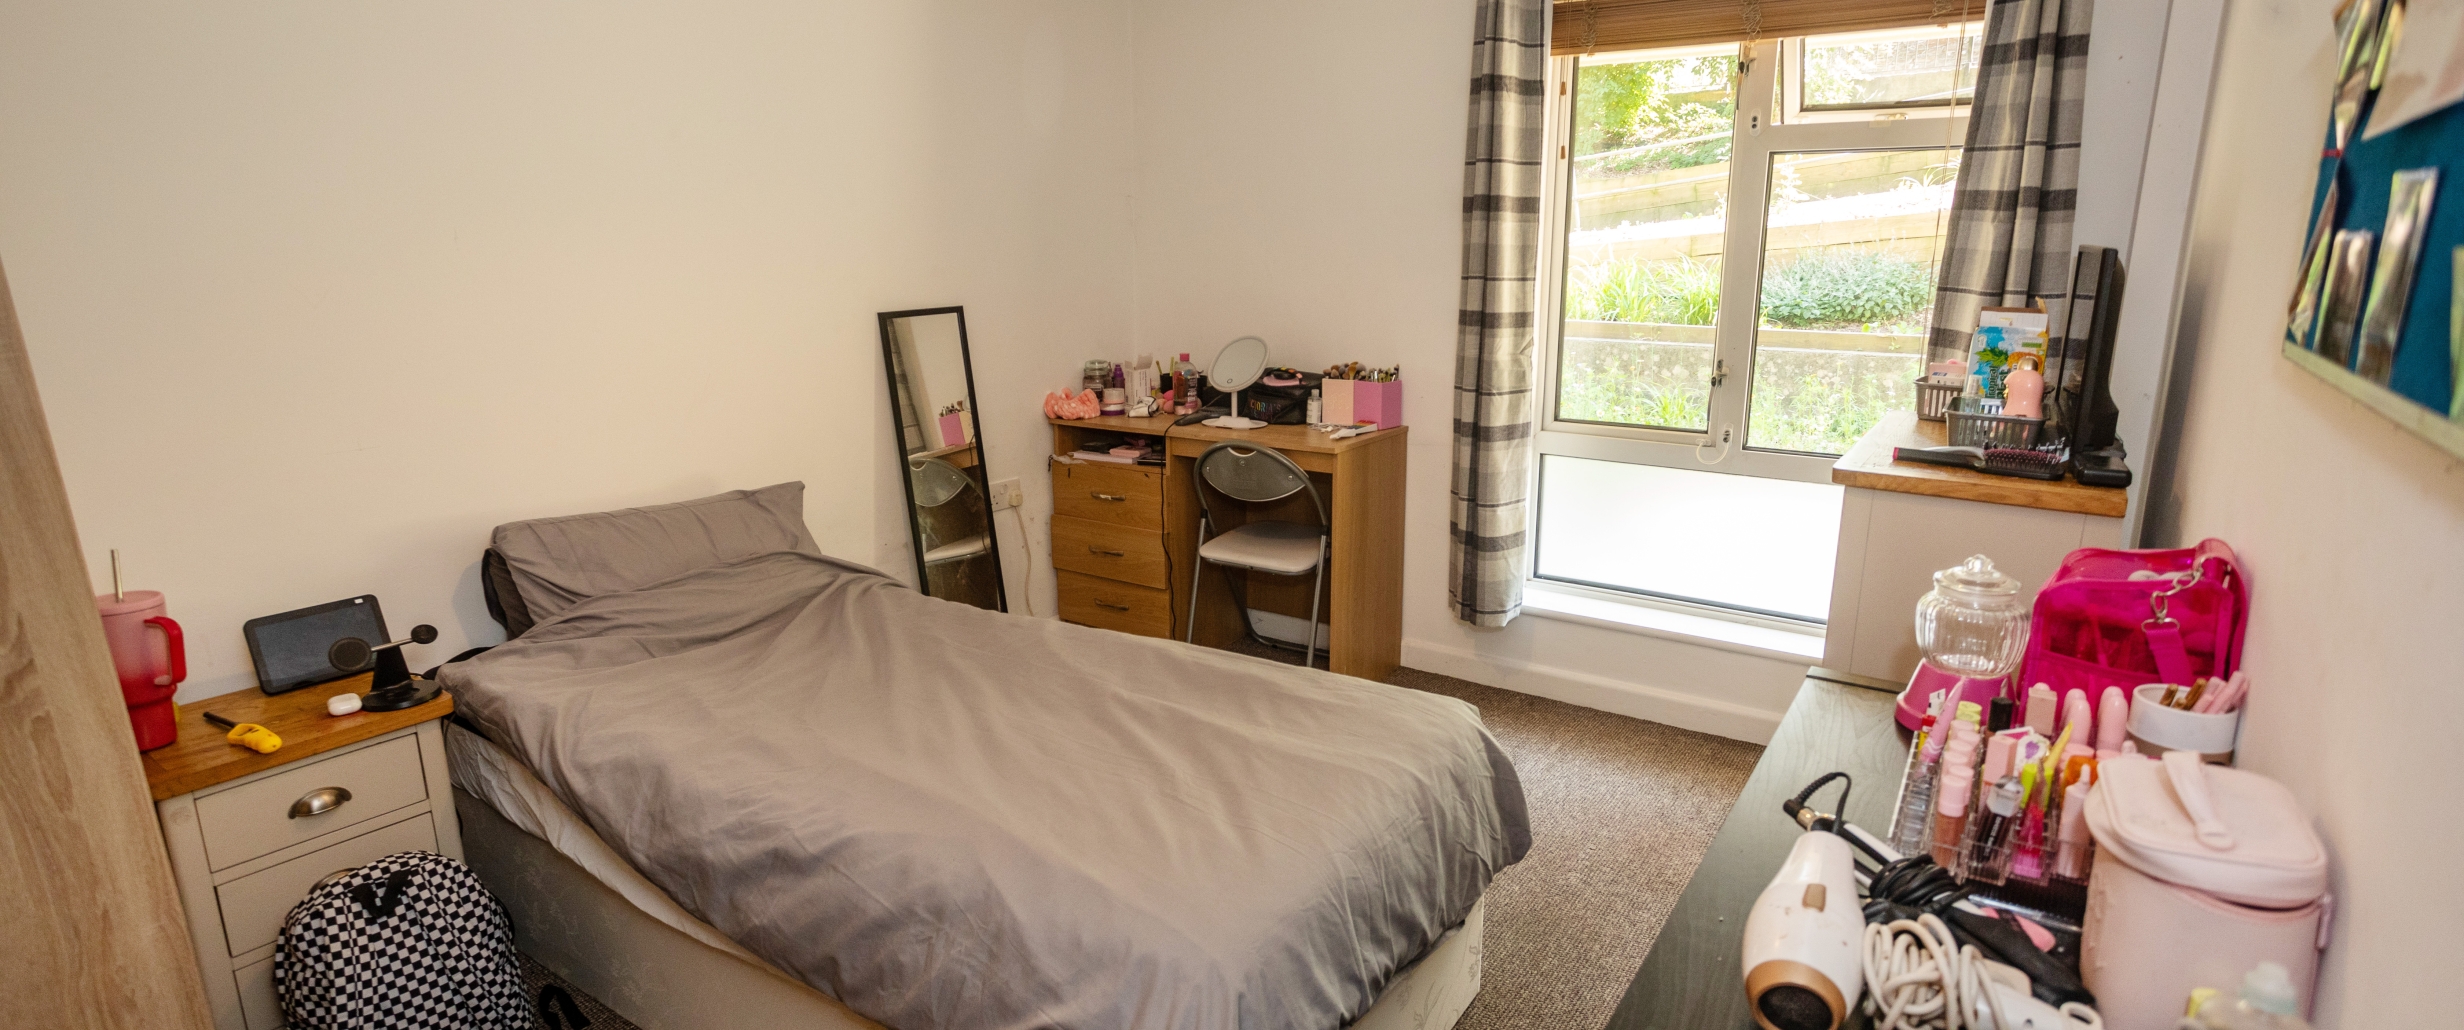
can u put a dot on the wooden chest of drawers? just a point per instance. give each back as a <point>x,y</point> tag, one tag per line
<point>1108,558</point>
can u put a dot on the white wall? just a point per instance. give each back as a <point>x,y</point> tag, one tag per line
<point>1299,176</point>
<point>2352,530</point>
<point>318,293</point>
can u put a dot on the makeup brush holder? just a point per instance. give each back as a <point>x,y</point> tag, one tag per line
<point>2158,729</point>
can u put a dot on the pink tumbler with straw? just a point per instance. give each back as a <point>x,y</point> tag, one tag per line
<point>147,652</point>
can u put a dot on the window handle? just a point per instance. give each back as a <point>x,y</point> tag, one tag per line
<point>1719,372</point>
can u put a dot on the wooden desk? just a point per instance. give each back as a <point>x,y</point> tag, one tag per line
<point>1692,980</point>
<point>1362,482</point>
<point>1900,522</point>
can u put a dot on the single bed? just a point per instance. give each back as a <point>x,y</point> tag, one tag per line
<point>722,780</point>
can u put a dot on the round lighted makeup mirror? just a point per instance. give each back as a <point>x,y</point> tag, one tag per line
<point>1236,367</point>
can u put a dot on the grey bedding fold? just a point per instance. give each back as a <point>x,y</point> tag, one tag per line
<point>947,817</point>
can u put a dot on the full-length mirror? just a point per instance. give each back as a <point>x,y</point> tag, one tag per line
<point>949,502</point>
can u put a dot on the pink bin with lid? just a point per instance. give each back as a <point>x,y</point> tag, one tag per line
<point>2202,872</point>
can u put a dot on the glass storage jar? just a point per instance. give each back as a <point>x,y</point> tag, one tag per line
<point>1973,622</point>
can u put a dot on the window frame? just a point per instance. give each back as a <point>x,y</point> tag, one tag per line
<point>1762,129</point>
<point>1792,62</point>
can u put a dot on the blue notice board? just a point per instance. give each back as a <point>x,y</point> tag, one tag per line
<point>2420,390</point>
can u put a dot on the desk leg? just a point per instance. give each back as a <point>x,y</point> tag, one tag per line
<point>1365,613</point>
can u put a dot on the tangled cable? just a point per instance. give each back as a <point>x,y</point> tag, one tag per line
<point>1919,977</point>
<point>1915,882</point>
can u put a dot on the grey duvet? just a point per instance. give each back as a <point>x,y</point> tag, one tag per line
<point>952,818</point>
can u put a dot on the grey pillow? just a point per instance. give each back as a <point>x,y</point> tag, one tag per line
<point>560,562</point>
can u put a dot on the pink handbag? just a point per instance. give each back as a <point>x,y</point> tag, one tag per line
<point>2112,618</point>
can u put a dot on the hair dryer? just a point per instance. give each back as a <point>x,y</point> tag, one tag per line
<point>1803,966</point>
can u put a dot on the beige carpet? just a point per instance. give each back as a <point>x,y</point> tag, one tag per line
<point>1622,810</point>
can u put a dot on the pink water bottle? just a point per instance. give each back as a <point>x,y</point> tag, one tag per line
<point>147,651</point>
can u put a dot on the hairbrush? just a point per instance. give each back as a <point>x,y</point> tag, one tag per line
<point>2001,461</point>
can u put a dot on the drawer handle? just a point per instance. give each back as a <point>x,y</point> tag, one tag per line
<point>1092,549</point>
<point>1102,496</point>
<point>319,801</point>
<point>1111,607</point>
<point>333,876</point>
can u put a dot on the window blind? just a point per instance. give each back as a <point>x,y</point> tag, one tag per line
<point>1598,26</point>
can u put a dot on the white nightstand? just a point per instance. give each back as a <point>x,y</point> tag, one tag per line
<point>251,834</point>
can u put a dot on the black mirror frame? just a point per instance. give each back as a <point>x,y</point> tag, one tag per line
<point>906,481</point>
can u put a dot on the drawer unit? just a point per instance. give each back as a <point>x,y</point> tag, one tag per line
<point>309,799</point>
<point>253,905</point>
<point>1110,604</point>
<point>259,1005</point>
<point>1110,551</point>
<point>240,856</point>
<point>1122,495</point>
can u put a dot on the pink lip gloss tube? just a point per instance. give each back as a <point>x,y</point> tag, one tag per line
<point>2071,849</point>
<point>1951,814</point>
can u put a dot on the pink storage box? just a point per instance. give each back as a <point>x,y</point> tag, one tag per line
<point>2202,872</point>
<point>1358,400</point>
<point>953,429</point>
<point>1335,402</point>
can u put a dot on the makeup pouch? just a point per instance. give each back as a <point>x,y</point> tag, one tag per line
<point>2113,618</point>
<point>2231,833</point>
<point>2201,873</point>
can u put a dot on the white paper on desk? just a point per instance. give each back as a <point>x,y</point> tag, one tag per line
<point>2426,72</point>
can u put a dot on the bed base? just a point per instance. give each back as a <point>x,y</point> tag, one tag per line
<point>662,979</point>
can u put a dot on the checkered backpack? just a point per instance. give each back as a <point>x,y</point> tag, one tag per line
<point>409,941</point>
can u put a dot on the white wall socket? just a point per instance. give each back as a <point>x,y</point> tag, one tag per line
<point>1006,494</point>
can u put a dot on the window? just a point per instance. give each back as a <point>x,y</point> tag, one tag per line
<point>1744,245</point>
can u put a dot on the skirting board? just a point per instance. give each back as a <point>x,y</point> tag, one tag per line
<point>1633,700</point>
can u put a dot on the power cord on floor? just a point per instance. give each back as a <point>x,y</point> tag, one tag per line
<point>1026,544</point>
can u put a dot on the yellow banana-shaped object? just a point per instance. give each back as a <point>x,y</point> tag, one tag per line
<point>247,734</point>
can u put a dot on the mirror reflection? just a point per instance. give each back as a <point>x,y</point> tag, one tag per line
<point>949,502</point>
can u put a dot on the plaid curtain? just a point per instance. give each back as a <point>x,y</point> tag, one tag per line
<point>2018,189</point>
<point>1493,340</point>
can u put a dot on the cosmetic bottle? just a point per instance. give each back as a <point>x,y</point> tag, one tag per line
<point>2269,1001</point>
<point>2023,389</point>
<point>1317,407</point>
<point>2028,839</point>
<point>1951,813</point>
<point>1989,850</point>
<point>2041,710</point>
<point>2071,843</point>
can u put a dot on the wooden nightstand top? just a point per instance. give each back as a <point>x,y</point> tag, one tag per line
<point>202,758</point>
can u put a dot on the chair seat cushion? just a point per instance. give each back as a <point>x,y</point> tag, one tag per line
<point>1286,548</point>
